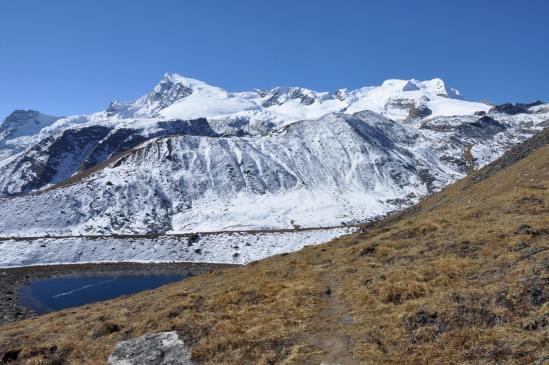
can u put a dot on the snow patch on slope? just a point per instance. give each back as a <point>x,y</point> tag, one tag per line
<point>236,248</point>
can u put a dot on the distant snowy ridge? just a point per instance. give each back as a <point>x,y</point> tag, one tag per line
<point>193,157</point>
<point>178,97</point>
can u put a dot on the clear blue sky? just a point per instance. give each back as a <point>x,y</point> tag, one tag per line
<point>69,57</point>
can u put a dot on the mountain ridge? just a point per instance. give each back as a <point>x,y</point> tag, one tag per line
<point>140,167</point>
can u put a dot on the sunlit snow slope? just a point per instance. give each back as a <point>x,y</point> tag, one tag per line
<point>193,157</point>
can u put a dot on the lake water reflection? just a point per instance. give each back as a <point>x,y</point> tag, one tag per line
<point>51,294</point>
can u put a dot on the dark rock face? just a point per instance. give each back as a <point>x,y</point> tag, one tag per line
<point>167,92</point>
<point>276,96</point>
<point>164,348</point>
<point>64,155</point>
<point>59,157</point>
<point>484,127</point>
<point>119,141</point>
<point>515,108</point>
<point>422,111</point>
<point>305,99</point>
<point>415,110</point>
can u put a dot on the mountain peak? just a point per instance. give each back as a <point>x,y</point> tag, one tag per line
<point>24,123</point>
<point>435,86</point>
<point>172,79</point>
<point>410,86</point>
<point>175,78</point>
<point>438,87</point>
<point>171,88</point>
<point>21,113</point>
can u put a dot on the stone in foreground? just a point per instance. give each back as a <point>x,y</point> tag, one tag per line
<point>164,348</point>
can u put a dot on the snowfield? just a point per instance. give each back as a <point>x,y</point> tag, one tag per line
<point>235,248</point>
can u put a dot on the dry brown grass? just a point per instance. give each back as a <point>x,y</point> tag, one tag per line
<point>451,281</point>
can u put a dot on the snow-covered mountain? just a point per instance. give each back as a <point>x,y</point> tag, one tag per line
<point>193,157</point>
<point>19,131</point>
<point>177,97</point>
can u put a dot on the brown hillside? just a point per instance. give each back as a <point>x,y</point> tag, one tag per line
<point>460,278</point>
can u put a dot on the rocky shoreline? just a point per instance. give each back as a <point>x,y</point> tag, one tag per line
<point>13,278</point>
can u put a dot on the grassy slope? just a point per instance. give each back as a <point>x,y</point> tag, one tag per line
<point>449,281</point>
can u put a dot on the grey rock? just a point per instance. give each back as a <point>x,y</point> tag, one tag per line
<point>164,348</point>
<point>515,108</point>
<point>542,360</point>
<point>524,229</point>
<point>531,251</point>
<point>279,95</point>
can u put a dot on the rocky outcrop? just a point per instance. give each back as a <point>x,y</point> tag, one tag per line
<point>280,95</point>
<point>416,109</point>
<point>164,348</point>
<point>515,108</point>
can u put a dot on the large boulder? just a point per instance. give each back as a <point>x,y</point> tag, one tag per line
<point>164,348</point>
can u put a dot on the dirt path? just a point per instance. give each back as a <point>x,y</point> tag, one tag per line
<point>334,340</point>
<point>350,227</point>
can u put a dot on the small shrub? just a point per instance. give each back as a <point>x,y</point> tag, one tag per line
<point>103,329</point>
<point>193,238</point>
